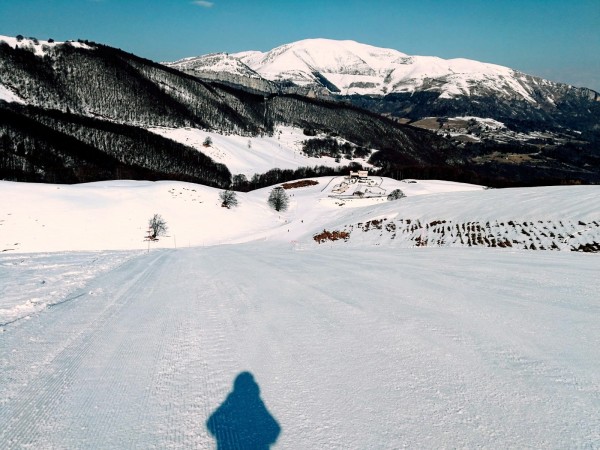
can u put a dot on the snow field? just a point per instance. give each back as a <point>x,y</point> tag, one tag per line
<point>114,214</point>
<point>557,218</point>
<point>351,348</point>
<point>357,344</point>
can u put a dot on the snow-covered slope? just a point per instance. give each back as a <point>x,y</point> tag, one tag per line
<point>255,155</point>
<point>215,62</point>
<point>549,218</point>
<point>345,349</point>
<point>114,215</point>
<point>345,344</point>
<point>37,46</point>
<point>225,68</point>
<point>9,96</point>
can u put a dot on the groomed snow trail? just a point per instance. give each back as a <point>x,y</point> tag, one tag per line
<point>350,348</point>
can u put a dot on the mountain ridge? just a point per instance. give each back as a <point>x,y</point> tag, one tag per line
<point>407,87</point>
<point>349,57</point>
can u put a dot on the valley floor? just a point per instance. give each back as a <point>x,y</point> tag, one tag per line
<point>349,348</point>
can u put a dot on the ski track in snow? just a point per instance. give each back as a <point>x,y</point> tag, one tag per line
<point>32,282</point>
<point>351,348</point>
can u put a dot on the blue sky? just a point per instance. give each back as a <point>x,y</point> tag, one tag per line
<point>559,40</point>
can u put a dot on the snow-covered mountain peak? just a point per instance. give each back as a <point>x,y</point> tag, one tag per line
<point>300,61</point>
<point>324,53</point>
<point>215,62</point>
<point>351,68</point>
<point>354,68</point>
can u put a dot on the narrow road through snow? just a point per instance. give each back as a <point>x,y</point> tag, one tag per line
<point>348,349</point>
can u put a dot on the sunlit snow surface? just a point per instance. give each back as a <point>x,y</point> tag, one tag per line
<point>350,348</point>
<point>357,344</point>
<point>30,282</point>
<point>9,96</point>
<point>114,214</point>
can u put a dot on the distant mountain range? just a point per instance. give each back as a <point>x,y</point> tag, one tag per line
<point>404,86</point>
<point>81,111</point>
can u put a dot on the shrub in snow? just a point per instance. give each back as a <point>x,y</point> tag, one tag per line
<point>278,199</point>
<point>331,236</point>
<point>228,199</point>
<point>299,184</point>
<point>396,194</point>
<point>207,142</point>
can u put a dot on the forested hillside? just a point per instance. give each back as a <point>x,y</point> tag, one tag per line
<point>53,146</point>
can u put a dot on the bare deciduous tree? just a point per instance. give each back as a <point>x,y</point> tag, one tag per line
<point>228,199</point>
<point>278,199</point>
<point>157,226</point>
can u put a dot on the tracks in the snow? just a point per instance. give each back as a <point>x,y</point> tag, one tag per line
<point>72,337</point>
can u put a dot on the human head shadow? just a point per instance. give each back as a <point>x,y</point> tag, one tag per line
<point>242,421</point>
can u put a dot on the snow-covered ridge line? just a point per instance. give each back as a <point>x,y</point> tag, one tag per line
<point>38,46</point>
<point>215,62</point>
<point>353,68</point>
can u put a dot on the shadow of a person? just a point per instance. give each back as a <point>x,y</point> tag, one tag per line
<point>242,421</point>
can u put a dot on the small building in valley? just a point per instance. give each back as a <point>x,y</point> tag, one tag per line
<point>360,174</point>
